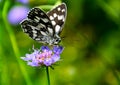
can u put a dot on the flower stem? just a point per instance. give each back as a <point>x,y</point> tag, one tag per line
<point>13,41</point>
<point>48,78</point>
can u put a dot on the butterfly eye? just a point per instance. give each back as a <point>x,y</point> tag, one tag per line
<point>58,40</point>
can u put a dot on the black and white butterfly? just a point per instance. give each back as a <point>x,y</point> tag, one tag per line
<point>45,27</point>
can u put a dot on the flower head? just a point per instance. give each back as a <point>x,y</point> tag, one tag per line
<point>44,57</point>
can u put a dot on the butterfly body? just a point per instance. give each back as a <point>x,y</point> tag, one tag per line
<point>45,27</point>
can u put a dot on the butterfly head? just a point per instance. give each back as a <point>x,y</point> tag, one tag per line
<point>56,39</point>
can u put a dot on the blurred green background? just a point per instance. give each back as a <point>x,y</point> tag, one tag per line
<point>91,40</point>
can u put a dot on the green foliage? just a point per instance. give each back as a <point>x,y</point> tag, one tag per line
<point>92,45</point>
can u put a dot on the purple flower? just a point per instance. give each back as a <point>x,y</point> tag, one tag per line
<point>57,49</point>
<point>17,14</point>
<point>43,57</point>
<point>23,1</point>
<point>45,48</point>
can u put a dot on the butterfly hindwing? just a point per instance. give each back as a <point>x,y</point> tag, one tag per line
<point>57,17</point>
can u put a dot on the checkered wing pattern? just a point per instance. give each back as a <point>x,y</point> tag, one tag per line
<point>37,25</point>
<point>58,16</point>
<point>45,27</point>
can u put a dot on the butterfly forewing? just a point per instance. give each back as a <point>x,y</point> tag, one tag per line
<point>57,17</point>
<point>40,17</point>
<point>37,25</point>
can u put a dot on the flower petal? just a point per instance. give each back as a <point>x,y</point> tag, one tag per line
<point>45,48</point>
<point>48,61</point>
<point>33,63</point>
<point>57,49</point>
<point>27,58</point>
<point>55,58</point>
<point>31,56</point>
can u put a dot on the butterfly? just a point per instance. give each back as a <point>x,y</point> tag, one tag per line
<point>45,27</point>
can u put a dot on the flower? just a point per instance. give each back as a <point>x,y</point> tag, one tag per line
<point>17,14</point>
<point>23,1</point>
<point>43,57</point>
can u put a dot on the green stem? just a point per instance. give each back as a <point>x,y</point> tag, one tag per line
<point>13,42</point>
<point>116,75</point>
<point>48,77</point>
<point>110,11</point>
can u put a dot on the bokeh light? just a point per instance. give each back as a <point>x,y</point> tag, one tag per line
<point>23,1</point>
<point>17,14</point>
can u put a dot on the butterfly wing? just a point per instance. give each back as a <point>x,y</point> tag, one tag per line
<point>58,17</point>
<point>37,25</point>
